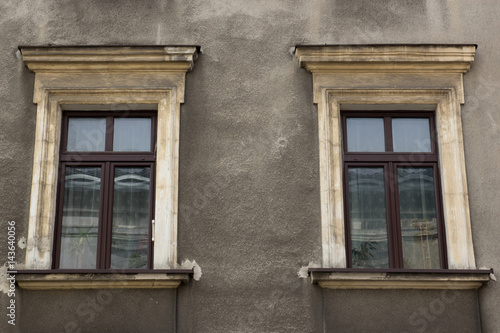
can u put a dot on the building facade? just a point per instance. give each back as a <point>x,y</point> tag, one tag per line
<point>238,166</point>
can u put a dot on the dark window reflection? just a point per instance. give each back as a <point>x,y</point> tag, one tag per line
<point>417,207</point>
<point>80,218</point>
<point>130,235</point>
<point>368,218</point>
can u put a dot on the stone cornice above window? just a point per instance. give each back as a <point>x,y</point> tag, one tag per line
<point>109,58</point>
<point>386,58</point>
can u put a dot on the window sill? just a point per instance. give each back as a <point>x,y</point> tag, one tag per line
<point>345,278</point>
<point>100,279</point>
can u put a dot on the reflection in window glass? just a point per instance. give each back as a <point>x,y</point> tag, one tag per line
<point>132,134</point>
<point>130,234</point>
<point>368,218</point>
<point>86,134</point>
<point>417,206</point>
<point>365,135</point>
<point>411,135</point>
<point>80,218</point>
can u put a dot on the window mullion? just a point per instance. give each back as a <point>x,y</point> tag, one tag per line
<point>106,216</point>
<point>393,223</point>
<point>102,201</point>
<point>109,133</point>
<point>388,134</point>
<point>389,214</point>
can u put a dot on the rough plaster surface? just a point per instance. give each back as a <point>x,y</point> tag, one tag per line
<point>249,204</point>
<point>401,311</point>
<point>90,311</point>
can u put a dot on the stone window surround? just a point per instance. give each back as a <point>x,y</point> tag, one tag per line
<point>106,78</point>
<point>391,77</point>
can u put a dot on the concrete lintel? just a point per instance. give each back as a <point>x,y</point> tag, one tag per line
<point>59,281</point>
<point>59,59</point>
<point>399,280</point>
<point>386,58</point>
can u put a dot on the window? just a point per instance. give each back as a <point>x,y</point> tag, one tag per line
<point>404,78</point>
<point>393,214</point>
<point>106,196</point>
<point>127,101</point>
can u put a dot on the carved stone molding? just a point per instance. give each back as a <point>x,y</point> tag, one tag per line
<point>43,280</point>
<point>386,58</point>
<point>109,58</point>
<point>105,78</point>
<point>359,279</point>
<point>395,77</point>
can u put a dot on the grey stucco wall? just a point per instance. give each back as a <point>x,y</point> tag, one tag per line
<point>105,310</point>
<point>401,311</point>
<point>249,202</point>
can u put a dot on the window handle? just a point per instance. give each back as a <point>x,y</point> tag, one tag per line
<point>153,230</point>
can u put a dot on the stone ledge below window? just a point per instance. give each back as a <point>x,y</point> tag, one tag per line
<point>99,279</point>
<point>338,278</point>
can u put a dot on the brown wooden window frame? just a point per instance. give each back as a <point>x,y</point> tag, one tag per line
<point>107,160</point>
<point>390,161</point>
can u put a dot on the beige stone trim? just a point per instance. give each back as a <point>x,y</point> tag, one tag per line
<point>60,85</point>
<point>339,280</point>
<point>106,59</point>
<point>386,58</point>
<point>372,89</point>
<point>100,281</point>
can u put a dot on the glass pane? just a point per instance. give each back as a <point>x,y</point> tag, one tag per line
<point>411,135</point>
<point>417,208</point>
<point>80,220</point>
<point>86,134</point>
<point>368,218</point>
<point>365,134</point>
<point>130,235</point>
<point>132,134</point>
